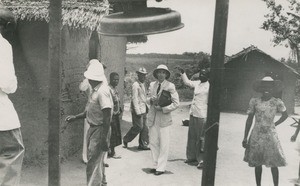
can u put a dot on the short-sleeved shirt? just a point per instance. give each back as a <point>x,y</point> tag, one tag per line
<point>100,98</point>
<point>265,111</point>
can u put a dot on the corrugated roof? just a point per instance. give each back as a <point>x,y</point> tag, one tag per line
<point>254,48</point>
<point>75,13</point>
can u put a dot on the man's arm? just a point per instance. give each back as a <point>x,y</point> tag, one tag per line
<point>8,79</point>
<point>106,125</point>
<point>175,100</point>
<point>71,118</point>
<point>186,81</point>
<point>135,94</point>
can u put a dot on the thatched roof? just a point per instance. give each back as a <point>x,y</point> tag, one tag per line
<point>75,13</point>
<point>252,48</point>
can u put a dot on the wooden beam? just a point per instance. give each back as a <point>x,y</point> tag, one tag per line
<point>54,55</point>
<point>216,76</point>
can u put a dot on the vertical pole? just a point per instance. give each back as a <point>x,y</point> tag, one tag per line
<point>54,92</point>
<point>213,115</point>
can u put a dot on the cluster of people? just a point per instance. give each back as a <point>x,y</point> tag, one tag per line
<point>151,118</point>
<point>102,114</point>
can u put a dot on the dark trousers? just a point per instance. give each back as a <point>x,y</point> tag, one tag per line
<point>138,127</point>
<point>195,138</point>
<point>115,137</point>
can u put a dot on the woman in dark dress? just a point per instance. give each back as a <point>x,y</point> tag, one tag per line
<point>116,137</point>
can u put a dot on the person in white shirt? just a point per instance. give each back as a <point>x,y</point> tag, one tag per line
<point>98,114</point>
<point>11,143</point>
<point>198,112</point>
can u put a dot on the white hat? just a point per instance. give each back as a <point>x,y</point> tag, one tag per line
<point>142,70</point>
<point>95,71</point>
<point>162,67</point>
<point>268,84</point>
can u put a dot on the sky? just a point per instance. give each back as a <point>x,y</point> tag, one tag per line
<point>245,18</point>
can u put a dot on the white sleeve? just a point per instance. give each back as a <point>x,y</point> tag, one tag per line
<point>188,82</point>
<point>8,79</point>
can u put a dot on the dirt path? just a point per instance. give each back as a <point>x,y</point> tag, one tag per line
<point>133,168</point>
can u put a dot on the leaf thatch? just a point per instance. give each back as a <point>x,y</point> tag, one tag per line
<point>75,13</point>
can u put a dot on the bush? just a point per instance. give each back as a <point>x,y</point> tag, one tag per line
<point>185,94</point>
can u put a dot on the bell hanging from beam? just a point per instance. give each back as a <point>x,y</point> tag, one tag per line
<point>135,18</point>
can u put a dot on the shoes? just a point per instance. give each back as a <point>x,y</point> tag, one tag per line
<point>115,157</point>
<point>125,144</point>
<point>143,148</point>
<point>200,165</point>
<point>104,183</point>
<point>190,161</point>
<point>106,165</point>
<point>157,173</point>
<point>152,170</point>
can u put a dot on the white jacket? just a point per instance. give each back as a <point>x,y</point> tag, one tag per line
<point>138,103</point>
<point>162,117</point>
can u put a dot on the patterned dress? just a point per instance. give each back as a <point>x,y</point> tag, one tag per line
<point>264,146</point>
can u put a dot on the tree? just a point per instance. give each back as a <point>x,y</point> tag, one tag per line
<point>285,25</point>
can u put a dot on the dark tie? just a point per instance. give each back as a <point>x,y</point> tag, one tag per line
<point>158,88</point>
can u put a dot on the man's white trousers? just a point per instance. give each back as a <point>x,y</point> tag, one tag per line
<point>159,145</point>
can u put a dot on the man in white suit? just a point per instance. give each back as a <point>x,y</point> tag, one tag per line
<point>138,112</point>
<point>159,118</point>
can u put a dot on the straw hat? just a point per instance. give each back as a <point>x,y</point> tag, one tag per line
<point>95,71</point>
<point>268,84</point>
<point>162,67</point>
<point>142,70</point>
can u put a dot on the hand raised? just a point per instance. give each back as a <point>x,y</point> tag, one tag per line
<point>179,69</point>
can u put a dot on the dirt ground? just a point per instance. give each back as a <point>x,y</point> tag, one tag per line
<point>133,168</point>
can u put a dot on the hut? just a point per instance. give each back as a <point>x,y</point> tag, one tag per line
<point>243,68</point>
<point>80,43</point>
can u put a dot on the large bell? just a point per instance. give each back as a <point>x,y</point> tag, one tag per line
<point>143,21</point>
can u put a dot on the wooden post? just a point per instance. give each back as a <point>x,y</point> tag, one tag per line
<point>216,76</point>
<point>54,92</point>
